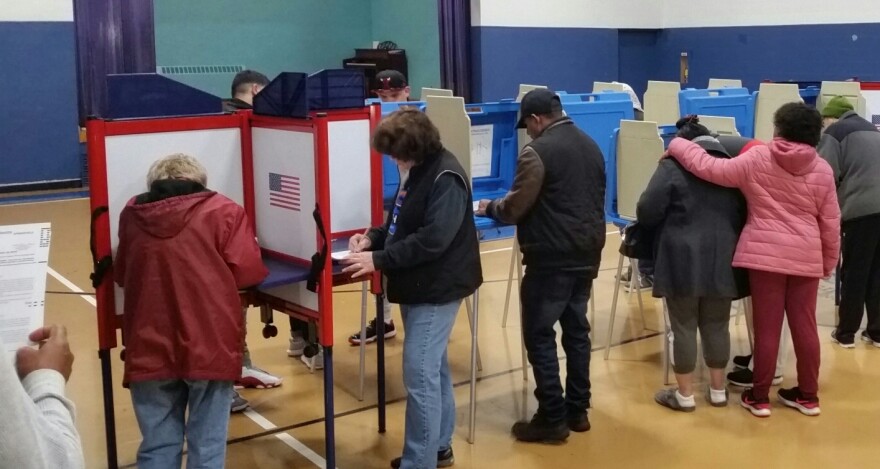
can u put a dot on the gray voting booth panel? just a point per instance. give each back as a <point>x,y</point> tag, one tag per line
<point>426,92</point>
<point>451,119</point>
<point>851,90</point>
<point>661,102</point>
<point>720,125</point>
<point>639,148</point>
<point>771,96</point>
<point>715,83</point>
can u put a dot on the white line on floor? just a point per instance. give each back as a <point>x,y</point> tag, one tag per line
<point>67,283</point>
<point>287,438</point>
<point>250,413</point>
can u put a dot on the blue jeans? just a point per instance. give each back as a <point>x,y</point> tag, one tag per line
<point>430,402</point>
<point>160,408</point>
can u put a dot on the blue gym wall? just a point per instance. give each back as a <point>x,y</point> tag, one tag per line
<point>754,54</point>
<point>568,59</point>
<point>39,140</point>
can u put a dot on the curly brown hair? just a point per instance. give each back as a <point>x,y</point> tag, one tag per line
<point>407,135</point>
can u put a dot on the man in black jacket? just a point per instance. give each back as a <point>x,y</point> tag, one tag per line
<point>245,85</point>
<point>557,202</point>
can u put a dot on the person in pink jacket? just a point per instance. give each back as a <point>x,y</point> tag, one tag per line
<point>790,242</point>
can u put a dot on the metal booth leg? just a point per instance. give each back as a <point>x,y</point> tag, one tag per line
<point>614,306</point>
<point>474,358</point>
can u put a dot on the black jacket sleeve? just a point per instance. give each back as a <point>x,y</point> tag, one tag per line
<point>652,206</point>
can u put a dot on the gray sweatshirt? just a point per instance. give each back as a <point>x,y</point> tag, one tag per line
<point>852,148</point>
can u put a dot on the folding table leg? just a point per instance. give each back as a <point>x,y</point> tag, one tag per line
<point>513,261</point>
<point>471,311</point>
<point>380,363</point>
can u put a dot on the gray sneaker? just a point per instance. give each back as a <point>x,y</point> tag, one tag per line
<point>239,404</point>
<point>666,398</point>
<point>717,404</point>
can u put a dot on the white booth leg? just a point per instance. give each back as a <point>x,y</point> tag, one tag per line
<point>474,357</point>
<point>471,312</point>
<point>514,251</point>
<point>613,307</point>
<point>636,277</point>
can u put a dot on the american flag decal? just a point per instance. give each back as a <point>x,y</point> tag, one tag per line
<point>284,192</point>
<point>875,119</point>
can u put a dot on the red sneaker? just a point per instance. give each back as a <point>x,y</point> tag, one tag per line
<point>758,407</point>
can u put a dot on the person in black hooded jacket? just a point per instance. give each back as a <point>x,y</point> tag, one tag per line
<point>697,226</point>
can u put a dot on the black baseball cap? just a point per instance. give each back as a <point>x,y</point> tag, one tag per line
<point>538,101</point>
<point>390,80</point>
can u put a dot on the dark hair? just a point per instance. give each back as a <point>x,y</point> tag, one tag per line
<point>245,78</point>
<point>689,128</point>
<point>797,122</point>
<point>407,135</point>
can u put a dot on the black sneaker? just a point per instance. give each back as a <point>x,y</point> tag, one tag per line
<point>744,378</point>
<point>578,423</point>
<point>742,361</point>
<point>843,342</point>
<point>390,331</point>
<point>867,338</point>
<point>795,399</point>
<point>539,430</point>
<point>445,458</point>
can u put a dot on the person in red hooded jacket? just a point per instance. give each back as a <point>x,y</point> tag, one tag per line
<point>184,252</point>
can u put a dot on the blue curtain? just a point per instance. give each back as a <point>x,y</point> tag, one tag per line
<point>455,46</point>
<point>111,37</point>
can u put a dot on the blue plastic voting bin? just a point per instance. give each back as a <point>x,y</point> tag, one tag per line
<point>502,117</point>
<point>598,114</point>
<point>724,102</point>
<point>810,95</point>
<point>143,95</point>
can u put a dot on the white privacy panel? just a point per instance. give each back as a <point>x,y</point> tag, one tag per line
<point>129,157</point>
<point>350,177</point>
<point>284,191</point>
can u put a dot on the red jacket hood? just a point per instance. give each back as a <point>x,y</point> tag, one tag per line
<point>168,217</point>
<point>796,158</point>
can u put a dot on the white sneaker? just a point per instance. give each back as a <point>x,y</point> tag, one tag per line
<point>296,347</point>
<point>253,377</point>
<point>318,361</point>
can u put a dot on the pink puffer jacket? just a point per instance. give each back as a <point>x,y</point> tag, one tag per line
<point>793,225</point>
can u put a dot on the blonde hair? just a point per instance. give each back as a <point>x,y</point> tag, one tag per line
<point>177,166</point>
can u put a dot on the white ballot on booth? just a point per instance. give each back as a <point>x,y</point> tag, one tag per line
<point>24,256</point>
<point>481,150</point>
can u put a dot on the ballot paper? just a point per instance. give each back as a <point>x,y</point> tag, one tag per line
<point>24,256</point>
<point>339,255</point>
<point>481,150</point>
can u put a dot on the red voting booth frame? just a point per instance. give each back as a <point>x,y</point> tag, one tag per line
<point>317,124</point>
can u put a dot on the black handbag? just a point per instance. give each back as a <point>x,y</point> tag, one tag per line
<point>637,242</point>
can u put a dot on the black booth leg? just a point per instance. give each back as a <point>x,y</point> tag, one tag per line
<point>380,359</point>
<point>109,414</point>
<point>329,413</point>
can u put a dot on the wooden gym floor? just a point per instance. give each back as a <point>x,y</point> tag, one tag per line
<point>629,429</point>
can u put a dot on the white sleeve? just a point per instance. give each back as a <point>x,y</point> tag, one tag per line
<point>36,422</point>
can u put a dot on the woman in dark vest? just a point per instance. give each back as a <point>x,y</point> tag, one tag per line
<point>429,253</point>
<point>697,226</point>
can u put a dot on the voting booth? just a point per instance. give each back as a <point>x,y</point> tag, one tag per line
<point>306,176</point>
<point>768,99</point>
<point>598,114</point>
